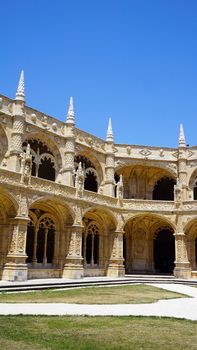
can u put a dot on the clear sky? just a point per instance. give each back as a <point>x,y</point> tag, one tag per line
<point>132,60</point>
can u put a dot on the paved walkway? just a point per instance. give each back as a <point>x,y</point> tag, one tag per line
<point>178,308</point>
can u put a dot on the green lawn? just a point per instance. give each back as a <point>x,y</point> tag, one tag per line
<point>131,294</point>
<point>96,333</point>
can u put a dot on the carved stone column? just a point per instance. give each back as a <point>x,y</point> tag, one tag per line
<point>182,163</point>
<point>68,168</point>
<point>116,267</point>
<point>109,171</point>
<point>15,268</point>
<point>73,267</point>
<point>17,135</point>
<point>182,265</point>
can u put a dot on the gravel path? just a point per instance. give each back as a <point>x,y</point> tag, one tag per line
<point>178,308</point>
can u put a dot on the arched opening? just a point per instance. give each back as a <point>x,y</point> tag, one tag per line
<point>164,189</point>
<point>91,176</point>
<point>43,161</point>
<point>30,241</point>
<point>46,169</point>
<point>164,251</point>
<point>90,183</point>
<point>40,241</point>
<point>195,190</point>
<point>116,180</point>
<point>90,249</point>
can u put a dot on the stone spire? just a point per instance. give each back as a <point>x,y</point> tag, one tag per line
<point>182,142</point>
<point>20,93</point>
<point>70,118</point>
<point>110,136</point>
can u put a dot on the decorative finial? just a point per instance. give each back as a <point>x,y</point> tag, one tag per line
<point>70,118</point>
<point>110,136</point>
<point>20,93</point>
<point>182,142</point>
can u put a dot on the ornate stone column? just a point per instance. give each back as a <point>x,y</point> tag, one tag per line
<point>18,125</point>
<point>68,168</point>
<point>116,267</point>
<point>182,265</point>
<point>73,267</point>
<point>182,163</point>
<point>15,268</point>
<point>109,167</point>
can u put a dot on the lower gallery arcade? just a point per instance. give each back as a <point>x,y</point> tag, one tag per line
<point>74,205</point>
<point>59,239</point>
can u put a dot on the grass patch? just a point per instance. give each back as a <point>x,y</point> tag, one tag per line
<point>87,333</point>
<point>131,294</point>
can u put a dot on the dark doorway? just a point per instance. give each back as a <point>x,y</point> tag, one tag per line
<point>50,245</point>
<point>195,193</point>
<point>164,189</point>
<point>124,249</point>
<point>40,245</point>
<point>91,182</point>
<point>46,169</point>
<point>30,242</point>
<point>164,251</point>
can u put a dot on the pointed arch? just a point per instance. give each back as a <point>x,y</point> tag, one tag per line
<point>92,169</point>
<point>143,243</point>
<point>46,158</point>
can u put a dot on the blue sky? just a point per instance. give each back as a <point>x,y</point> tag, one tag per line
<point>132,60</point>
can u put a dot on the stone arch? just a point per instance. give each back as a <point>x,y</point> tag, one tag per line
<point>98,224</point>
<point>193,184</point>
<point>139,179</point>
<point>8,203</point>
<point>57,207</point>
<point>140,235</point>
<point>190,230</point>
<point>92,167</point>
<point>45,155</point>
<point>164,249</point>
<point>46,244</point>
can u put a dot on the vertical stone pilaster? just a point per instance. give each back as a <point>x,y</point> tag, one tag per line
<point>68,169</point>
<point>15,268</point>
<point>73,267</point>
<point>116,267</point>
<point>182,163</point>
<point>182,265</point>
<point>17,134</point>
<point>109,171</point>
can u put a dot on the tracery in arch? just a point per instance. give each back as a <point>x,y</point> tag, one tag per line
<point>43,161</point>
<point>164,189</point>
<point>90,249</point>
<point>91,175</point>
<point>195,189</point>
<point>40,242</point>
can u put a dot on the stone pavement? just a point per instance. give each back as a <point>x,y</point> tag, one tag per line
<point>179,308</point>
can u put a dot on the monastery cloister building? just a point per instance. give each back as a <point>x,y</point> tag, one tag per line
<point>73,205</point>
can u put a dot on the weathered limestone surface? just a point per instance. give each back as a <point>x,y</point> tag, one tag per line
<point>73,205</point>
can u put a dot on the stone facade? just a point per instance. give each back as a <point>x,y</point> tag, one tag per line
<point>73,205</point>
